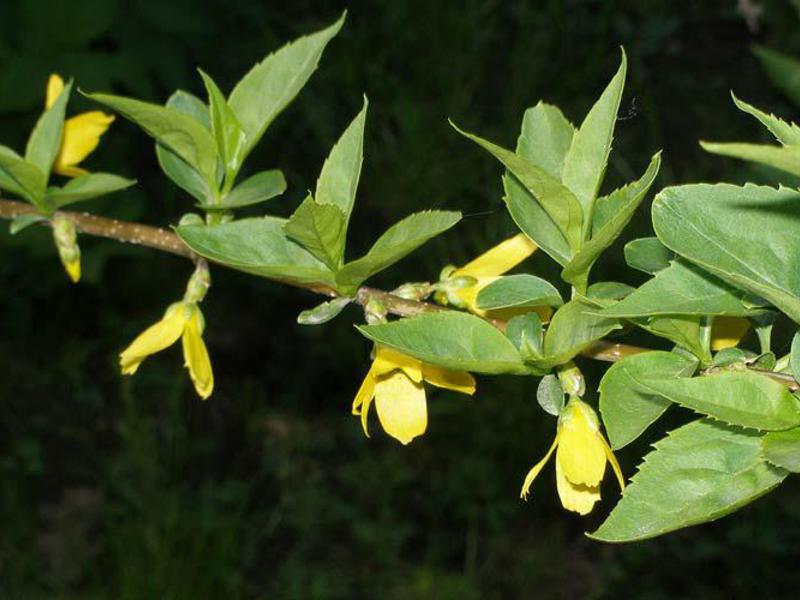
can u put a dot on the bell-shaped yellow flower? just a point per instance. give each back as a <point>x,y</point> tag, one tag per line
<point>727,332</point>
<point>488,267</point>
<point>581,456</point>
<point>395,382</point>
<point>80,135</point>
<point>181,320</point>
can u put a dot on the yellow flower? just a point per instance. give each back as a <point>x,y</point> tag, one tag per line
<point>580,459</point>
<point>181,320</point>
<point>80,136</point>
<point>727,332</point>
<point>488,267</point>
<point>395,381</point>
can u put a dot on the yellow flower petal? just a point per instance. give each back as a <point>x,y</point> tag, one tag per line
<point>153,339</point>
<point>73,269</point>
<point>727,332</point>
<point>614,463</point>
<point>580,451</point>
<point>363,399</point>
<point>496,261</point>
<point>575,497</point>
<point>388,360</point>
<point>195,355</point>
<point>459,381</point>
<point>55,85</point>
<point>526,485</point>
<point>81,136</point>
<point>401,406</point>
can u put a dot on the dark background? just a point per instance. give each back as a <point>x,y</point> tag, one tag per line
<point>132,488</point>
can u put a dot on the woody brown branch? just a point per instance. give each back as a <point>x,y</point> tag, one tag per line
<point>167,241</point>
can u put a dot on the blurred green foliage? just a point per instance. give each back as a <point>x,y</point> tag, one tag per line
<point>132,488</point>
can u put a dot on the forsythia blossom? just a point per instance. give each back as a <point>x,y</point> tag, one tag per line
<point>581,456</point>
<point>395,381</point>
<point>727,332</point>
<point>80,135</point>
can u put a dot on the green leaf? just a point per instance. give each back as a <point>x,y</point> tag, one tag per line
<point>322,313</point>
<point>783,70</point>
<point>452,340</point>
<point>398,241</point>
<point>794,358</point>
<point>23,222</point>
<point>604,291</point>
<point>698,473</point>
<point>740,234</point>
<point>231,139</point>
<point>178,170</point>
<point>253,190</point>
<point>549,395</point>
<point>686,331</point>
<point>274,82</point>
<point>612,214</point>
<point>648,255</point>
<point>45,139</point>
<point>557,201</point>
<point>574,327</point>
<point>782,449</point>
<point>320,228</point>
<point>683,289</point>
<point>527,334</point>
<point>785,133</point>
<point>85,187</point>
<point>784,158</point>
<point>741,398</point>
<point>20,177</point>
<point>627,406</point>
<point>543,140</point>
<point>257,246</point>
<point>585,163</point>
<point>177,131</point>
<point>518,291</point>
<point>338,180</point>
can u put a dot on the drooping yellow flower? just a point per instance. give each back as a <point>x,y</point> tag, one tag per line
<point>181,320</point>
<point>488,267</point>
<point>727,332</point>
<point>396,382</point>
<point>80,136</point>
<point>581,456</point>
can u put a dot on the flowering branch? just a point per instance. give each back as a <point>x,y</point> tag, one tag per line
<point>165,240</point>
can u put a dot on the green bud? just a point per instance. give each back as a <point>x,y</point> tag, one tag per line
<point>571,379</point>
<point>198,285</point>
<point>66,240</point>
<point>414,291</point>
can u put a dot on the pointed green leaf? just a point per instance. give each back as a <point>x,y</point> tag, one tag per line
<point>452,340</point>
<point>782,449</point>
<point>585,163</point>
<point>177,131</point>
<point>274,82</point>
<point>648,255</point>
<point>559,203</point>
<point>338,180</point>
<point>543,140</point>
<point>258,246</point>
<point>612,214</point>
<point>398,241</point>
<point>783,70</point>
<point>627,406</point>
<point>741,398</point>
<point>320,228</point>
<point>231,139</point>
<point>527,334</point>
<point>784,158</point>
<point>686,331</point>
<point>178,170</point>
<point>45,140</point>
<point>785,133</point>
<point>23,222</point>
<point>518,291</point>
<point>683,289</point>
<point>698,473</point>
<point>20,177</point>
<point>85,187</point>
<point>322,313</point>
<point>739,234</point>
<point>794,357</point>
<point>253,190</point>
